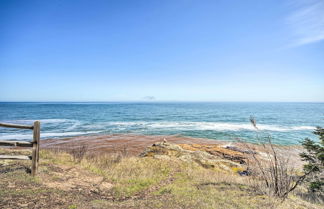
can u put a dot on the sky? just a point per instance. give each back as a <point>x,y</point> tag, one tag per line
<point>170,50</point>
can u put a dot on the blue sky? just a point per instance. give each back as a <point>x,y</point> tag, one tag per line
<point>171,50</point>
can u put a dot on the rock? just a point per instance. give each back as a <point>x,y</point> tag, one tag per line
<point>162,148</point>
<point>207,156</point>
<point>162,157</point>
<point>217,151</point>
<point>105,186</point>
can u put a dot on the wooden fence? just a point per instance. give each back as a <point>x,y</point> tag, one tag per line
<point>34,144</point>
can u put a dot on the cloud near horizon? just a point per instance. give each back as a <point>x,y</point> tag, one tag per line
<point>149,98</point>
<point>307,22</point>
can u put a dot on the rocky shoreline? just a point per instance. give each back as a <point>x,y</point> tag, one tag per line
<point>135,145</point>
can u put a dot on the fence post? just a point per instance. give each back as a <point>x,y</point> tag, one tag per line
<point>35,152</point>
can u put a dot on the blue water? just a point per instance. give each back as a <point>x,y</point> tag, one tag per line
<point>286,123</point>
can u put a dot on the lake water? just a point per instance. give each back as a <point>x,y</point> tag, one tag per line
<point>286,123</point>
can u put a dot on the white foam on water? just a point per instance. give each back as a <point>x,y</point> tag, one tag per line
<point>214,126</point>
<point>62,124</point>
<point>174,125</point>
<point>74,126</point>
<point>146,125</point>
<point>297,128</point>
<point>44,135</point>
<point>109,125</point>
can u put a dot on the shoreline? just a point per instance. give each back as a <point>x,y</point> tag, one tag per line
<point>134,145</point>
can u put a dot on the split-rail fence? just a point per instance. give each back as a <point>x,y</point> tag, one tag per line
<point>34,144</point>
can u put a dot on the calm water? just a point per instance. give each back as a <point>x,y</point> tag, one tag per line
<point>287,123</point>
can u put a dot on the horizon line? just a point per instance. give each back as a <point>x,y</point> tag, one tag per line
<point>159,101</point>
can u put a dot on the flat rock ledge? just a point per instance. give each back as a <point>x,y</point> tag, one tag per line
<point>207,156</point>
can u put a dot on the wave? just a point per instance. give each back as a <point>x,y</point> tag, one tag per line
<point>183,125</point>
<point>63,124</point>
<point>45,135</point>
<point>70,125</point>
<point>72,128</point>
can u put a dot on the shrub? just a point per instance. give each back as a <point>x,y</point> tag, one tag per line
<point>314,167</point>
<point>272,175</point>
<point>78,152</point>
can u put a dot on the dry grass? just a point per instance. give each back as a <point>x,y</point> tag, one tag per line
<point>137,183</point>
<point>78,152</point>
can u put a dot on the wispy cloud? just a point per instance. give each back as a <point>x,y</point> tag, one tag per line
<point>307,22</point>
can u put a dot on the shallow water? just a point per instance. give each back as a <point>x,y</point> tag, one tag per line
<point>286,123</point>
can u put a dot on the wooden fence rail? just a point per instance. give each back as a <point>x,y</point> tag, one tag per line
<point>34,144</point>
